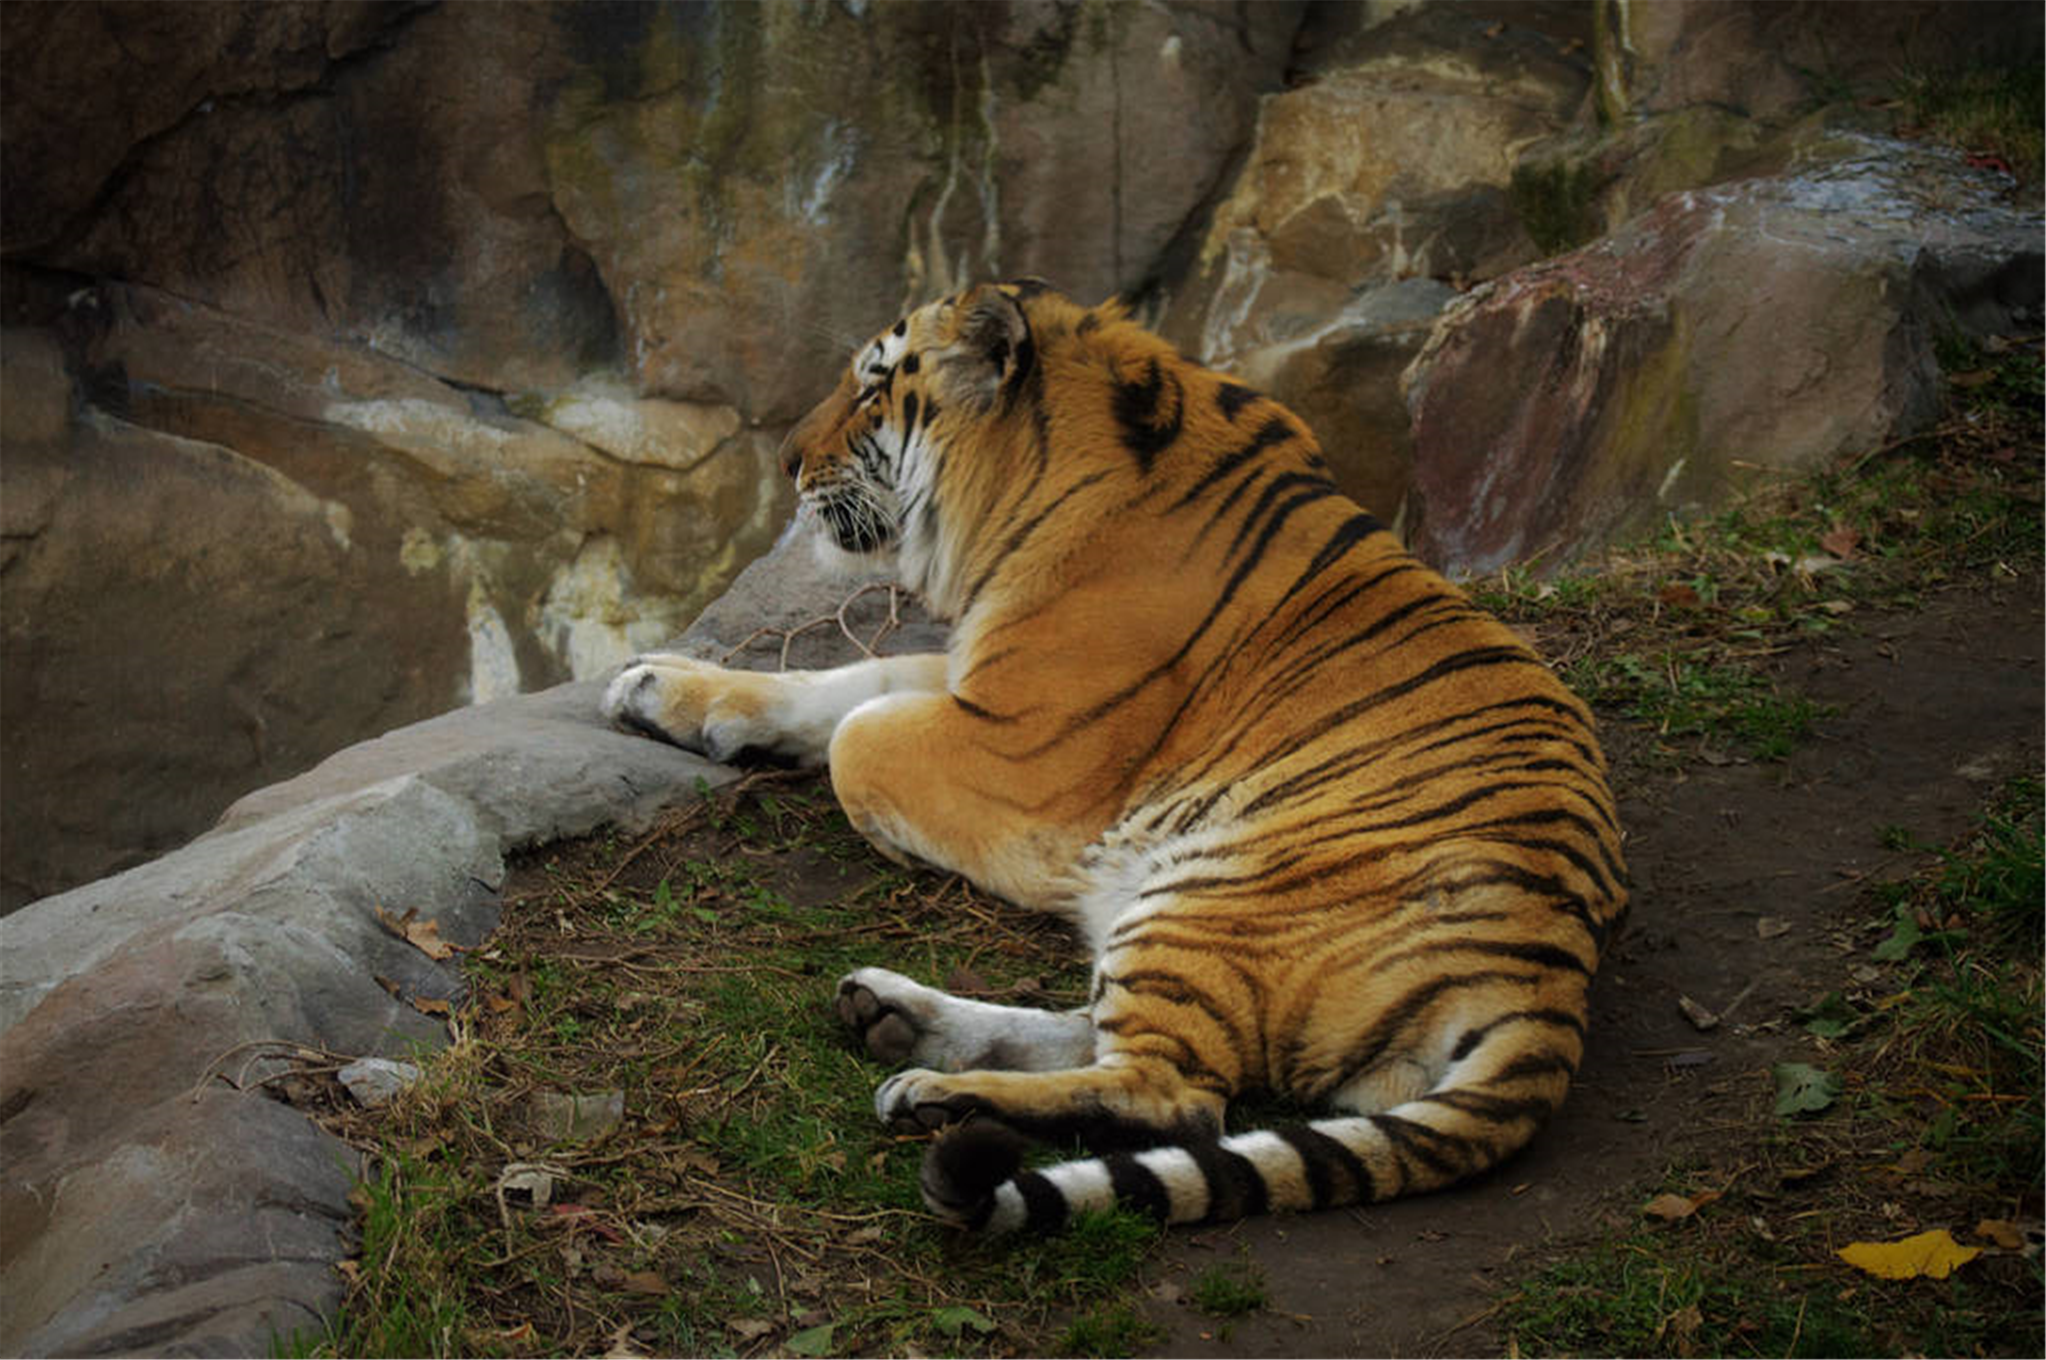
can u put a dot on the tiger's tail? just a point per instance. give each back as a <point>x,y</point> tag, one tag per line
<point>973,1177</point>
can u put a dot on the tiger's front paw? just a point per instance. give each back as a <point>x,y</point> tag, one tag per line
<point>920,1100</point>
<point>692,704</point>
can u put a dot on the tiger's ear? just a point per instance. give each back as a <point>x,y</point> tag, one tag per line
<point>999,352</point>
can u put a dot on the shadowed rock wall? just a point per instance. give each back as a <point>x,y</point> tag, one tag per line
<point>367,359</point>
<point>376,358</point>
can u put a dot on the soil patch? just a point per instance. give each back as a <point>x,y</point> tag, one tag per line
<point>742,1200</point>
<point>1932,709</point>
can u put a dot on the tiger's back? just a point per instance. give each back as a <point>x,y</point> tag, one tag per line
<point>1330,830</point>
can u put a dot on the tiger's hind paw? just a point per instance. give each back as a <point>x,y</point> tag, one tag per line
<point>965,1165</point>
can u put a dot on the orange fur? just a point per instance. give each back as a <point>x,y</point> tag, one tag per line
<point>1329,829</point>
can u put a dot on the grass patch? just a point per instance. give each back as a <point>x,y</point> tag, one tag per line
<point>735,1194</point>
<point>1227,1291</point>
<point>1992,111</point>
<point>1939,1056</point>
<point>1678,632</point>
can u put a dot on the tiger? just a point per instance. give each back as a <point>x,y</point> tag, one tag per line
<point>1332,834</point>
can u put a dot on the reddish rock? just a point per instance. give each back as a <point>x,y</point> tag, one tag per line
<point>1765,324</point>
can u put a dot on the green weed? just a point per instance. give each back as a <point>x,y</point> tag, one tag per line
<point>1650,1295</point>
<point>1722,704</point>
<point>1108,1330</point>
<point>1990,110</point>
<point>1229,1291</point>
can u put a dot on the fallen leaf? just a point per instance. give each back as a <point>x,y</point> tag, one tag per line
<point>623,1345</point>
<point>1672,1207</point>
<point>1680,1325</point>
<point>1669,1208</point>
<point>2005,1235</point>
<point>953,1320</point>
<point>1769,927</point>
<point>421,935</point>
<point>1933,1253</point>
<point>646,1282</point>
<point>964,980</point>
<point>1803,1089</point>
<point>582,1216</point>
<point>1974,377</point>
<point>1841,541</point>
<point>750,1329</point>
<point>431,1005</point>
<point>693,1158</point>
<point>1682,595</point>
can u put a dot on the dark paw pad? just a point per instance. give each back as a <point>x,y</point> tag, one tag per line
<point>887,1033</point>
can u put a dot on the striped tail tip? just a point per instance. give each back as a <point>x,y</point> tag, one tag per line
<point>964,1168</point>
<point>972,1178</point>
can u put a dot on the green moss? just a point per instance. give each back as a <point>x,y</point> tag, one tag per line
<point>1557,201</point>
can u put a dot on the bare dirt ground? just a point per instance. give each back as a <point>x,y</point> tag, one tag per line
<point>687,974</point>
<point>1934,708</point>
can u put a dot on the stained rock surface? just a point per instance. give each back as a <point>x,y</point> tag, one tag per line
<point>157,1200</point>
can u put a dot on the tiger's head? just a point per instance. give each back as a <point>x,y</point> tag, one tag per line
<point>871,462</point>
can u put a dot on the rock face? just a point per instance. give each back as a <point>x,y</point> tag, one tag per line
<point>157,1199</point>
<point>1373,190</point>
<point>1764,324</point>
<point>369,359</point>
<point>372,359</point>
<point>255,547</point>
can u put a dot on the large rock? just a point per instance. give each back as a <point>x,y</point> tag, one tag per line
<point>281,543</point>
<point>755,211</point>
<point>1770,324</point>
<point>1375,188</point>
<point>1335,358</point>
<point>494,313</point>
<point>1392,162</point>
<point>156,1200</point>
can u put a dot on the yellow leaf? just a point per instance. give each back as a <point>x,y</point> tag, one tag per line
<point>1933,1253</point>
<point>1670,1208</point>
<point>421,935</point>
<point>2004,1234</point>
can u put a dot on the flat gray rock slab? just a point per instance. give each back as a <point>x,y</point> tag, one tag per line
<point>155,1200</point>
